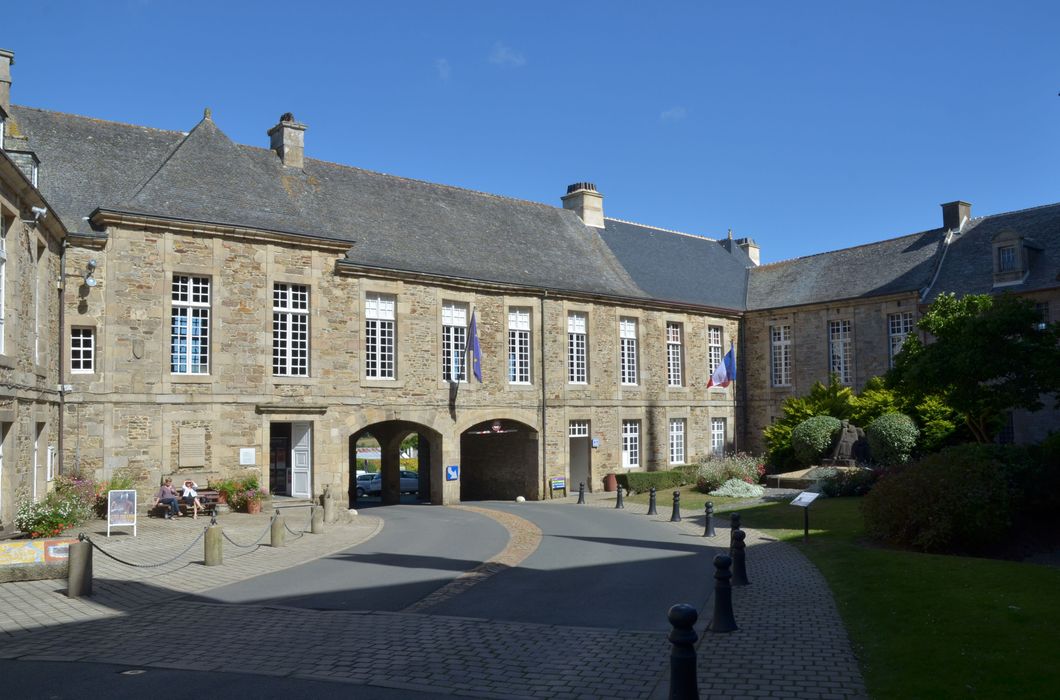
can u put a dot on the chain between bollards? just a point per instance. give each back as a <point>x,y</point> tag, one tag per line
<point>739,559</point>
<point>675,517</point>
<point>723,620</point>
<point>620,504</point>
<point>708,529</point>
<point>651,502</point>
<point>581,493</point>
<point>683,682</point>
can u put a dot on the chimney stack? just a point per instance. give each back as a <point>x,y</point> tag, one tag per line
<point>288,140</point>
<point>955,214</point>
<point>749,246</point>
<point>7,59</point>
<point>583,199</point>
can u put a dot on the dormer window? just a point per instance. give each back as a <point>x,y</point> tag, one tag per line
<point>1012,258</point>
<point>1007,259</point>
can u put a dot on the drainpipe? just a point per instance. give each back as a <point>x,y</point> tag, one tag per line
<point>544,441</point>
<point>62,359</point>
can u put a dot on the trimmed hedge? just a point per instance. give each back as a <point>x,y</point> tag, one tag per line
<point>892,438</point>
<point>639,482</point>
<point>813,437</point>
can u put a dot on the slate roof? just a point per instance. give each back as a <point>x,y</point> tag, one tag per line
<point>969,264</point>
<point>887,267</point>
<point>679,267</point>
<point>393,223</point>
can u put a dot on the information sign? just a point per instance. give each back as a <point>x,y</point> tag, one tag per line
<point>452,472</point>
<point>121,509</point>
<point>804,499</point>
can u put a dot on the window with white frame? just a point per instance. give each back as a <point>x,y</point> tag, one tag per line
<point>5,225</point>
<point>1006,258</point>
<point>627,362</point>
<point>82,350</point>
<point>780,355</point>
<point>677,441</point>
<point>631,444</point>
<point>899,326</point>
<point>190,325</point>
<point>454,341</point>
<point>379,347</point>
<point>577,348</point>
<point>715,347</point>
<point>49,472</point>
<point>674,354</point>
<point>717,436</point>
<point>290,330</point>
<point>840,349</point>
<point>578,428</point>
<point>518,345</point>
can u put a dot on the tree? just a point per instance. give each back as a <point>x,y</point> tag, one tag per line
<point>989,355</point>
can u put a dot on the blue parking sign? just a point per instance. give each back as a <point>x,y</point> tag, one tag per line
<point>452,472</point>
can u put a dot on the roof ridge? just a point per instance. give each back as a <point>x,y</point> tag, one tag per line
<point>853,247</point>
<point>101,121</point>
<point>1018,211</point>
<point>660,228</point>
<point>161,166</point>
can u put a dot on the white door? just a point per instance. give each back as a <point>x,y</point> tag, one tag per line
<point>301,459</point>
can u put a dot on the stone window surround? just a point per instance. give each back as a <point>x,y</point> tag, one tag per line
<point>393,288</point>
<point>273,310</point>
<point>520,338</point>
<point>460,333</point>
<point>384,348</point>
<point>469,299</point>
<point>168,307</point>
<point>678,440</point>
<point>680,353</point>
<point>86,348</point>
<point>630,435</point>
<point>717,447</point>
<point>789,344</point>
<point>536,351</point>
<point>629,353</point>
<point>577,347</point>
<point>841,361</point>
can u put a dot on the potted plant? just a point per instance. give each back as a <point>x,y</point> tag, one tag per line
<point>248,501</point>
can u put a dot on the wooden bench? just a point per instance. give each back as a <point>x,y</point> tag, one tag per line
<point>207,497</point>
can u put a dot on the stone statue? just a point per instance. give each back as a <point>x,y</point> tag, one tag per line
<point>849,436</point>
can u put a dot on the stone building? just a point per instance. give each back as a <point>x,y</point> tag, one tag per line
<point>31,241</point>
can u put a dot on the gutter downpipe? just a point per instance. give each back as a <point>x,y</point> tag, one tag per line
<point>62,359</point>
<point>544,441</point>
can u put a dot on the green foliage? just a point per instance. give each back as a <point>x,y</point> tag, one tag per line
<point>966,498</point>
<point>892,438</point>
<point>811,438</point>
<point>832,399</point>
<point>119,481</point>
<point>874,401</point>
<point>738,488</point>
<point>989,355</point>
<point>711,472</point>
<point>67,505</point>
<point>638,482</point>
<point>228,488</point>
<point>849,482</point>
<point>241,499</point>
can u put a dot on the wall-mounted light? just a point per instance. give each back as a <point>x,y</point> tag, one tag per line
<point>90,270</point>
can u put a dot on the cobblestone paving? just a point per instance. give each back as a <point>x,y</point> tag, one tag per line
<point>791,642</point>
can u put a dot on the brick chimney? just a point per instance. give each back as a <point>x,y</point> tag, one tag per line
<point>288,140</point>
<point>955,214</point>
<point>7,59</point>
<point>583,199</point>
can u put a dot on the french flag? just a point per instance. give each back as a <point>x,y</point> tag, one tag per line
<point>725,372</point>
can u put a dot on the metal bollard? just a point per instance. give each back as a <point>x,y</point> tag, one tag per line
<point>581,493</point>
<point>683,682</point>
<point>734,525</point>
<point>276,533</point>
<point>329,505</point>
<point>213,546</point>
<point>619,504</point>
<point>723,620</point>
<point>708,530</point>
<point>739,559</point>
<point>317,520</point>
<point>651,502</point>
<point>676,516</point>
<point>79,576</point>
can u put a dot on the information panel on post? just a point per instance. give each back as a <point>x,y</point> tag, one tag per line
<point>804,499</point>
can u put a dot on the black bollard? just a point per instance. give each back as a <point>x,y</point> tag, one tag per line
<point>723,620</point>
<point>651,502</point>
<point>620,504</point>
<point>739,559</point>
<point>734,525</point>
<point>683,682</point>
<point>581,494</point>
<point>676,516</point>
<point>708,530</point>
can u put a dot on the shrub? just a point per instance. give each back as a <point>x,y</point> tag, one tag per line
<point>241,499</point>
<point>117,482</point>
<point>738,488</point>
<point>813,437</point>
<point>228,488</point>
<point>638,482</point>
<point>958,500</point>
<point>69,504</point>
<point>892,437</point>
<point>849,482</point>
<point>710,473</point>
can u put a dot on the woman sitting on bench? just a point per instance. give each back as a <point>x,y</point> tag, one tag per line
<point>191,497</point>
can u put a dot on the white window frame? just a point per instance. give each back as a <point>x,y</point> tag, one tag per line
<point>577,348</point>
<point>82,350</point>
<point>380,341</point>
<point>578,428</point>
<point>677,440</point>
<point>718,429</point>
<point>631,444</point>
<point>454,341</point>
<point>899,326</point>
<point>1007,259</point>
<point>841,350</point>
<point>674,354</point>
<point>627,354</point>
<point>715,347</point>
<point>780,354</point>
<point>519,345</point>
<point>5,224</point>
<point>290,330</point>
<point>190,296</point>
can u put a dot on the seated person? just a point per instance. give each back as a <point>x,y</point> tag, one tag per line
<point>168,497</point>
<point>191,497</point>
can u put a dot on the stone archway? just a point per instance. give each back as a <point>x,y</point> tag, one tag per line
<point>498,461</point>
<point>390,434</point>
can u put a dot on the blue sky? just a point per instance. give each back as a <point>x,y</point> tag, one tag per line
<point>805,125</point>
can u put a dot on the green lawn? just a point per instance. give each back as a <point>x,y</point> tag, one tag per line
<point>929,626</point>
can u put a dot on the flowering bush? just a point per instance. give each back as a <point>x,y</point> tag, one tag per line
<point>69,504</point>
<point>738,488</point>
<point>712,472</point>
<point>117,482</point>
<point>240,500</point>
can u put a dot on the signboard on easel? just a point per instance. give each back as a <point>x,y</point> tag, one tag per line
<point>121,509</point>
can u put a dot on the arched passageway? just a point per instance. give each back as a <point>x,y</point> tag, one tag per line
<point>414,476</point>
<point>498,461</point>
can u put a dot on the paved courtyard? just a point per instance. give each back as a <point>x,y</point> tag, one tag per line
<point>791,642</point>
